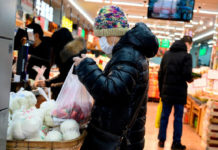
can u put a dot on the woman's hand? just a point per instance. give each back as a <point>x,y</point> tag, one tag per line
<point>77,60</point>
<point>40,83</point>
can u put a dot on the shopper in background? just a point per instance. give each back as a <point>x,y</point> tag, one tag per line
<point>175,71</point>
<point>60,39</point>
<point>73,49</point>
<point>39,52</point>
<point>122,85</point>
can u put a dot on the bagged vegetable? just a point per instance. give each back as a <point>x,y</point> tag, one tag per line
<point>70,130</point>
<point>74,101</point>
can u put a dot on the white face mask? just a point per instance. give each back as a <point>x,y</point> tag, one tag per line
<point>105,46</point>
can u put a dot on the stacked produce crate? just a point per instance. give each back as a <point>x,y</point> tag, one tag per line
<point>210,126</point>
<point>153,91</point>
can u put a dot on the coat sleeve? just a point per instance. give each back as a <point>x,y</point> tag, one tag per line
<point>118,84</point>
<point>187,68</point>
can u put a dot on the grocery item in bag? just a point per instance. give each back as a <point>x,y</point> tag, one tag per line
<point>74,101</point>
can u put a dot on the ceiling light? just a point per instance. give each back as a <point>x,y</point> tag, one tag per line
<point>135,17</point>
<point>204,27</point>
<point>194,23</point>
<point>166,27</point>
<point>178,33</point>
<point>95,1</point>
<point>189,25</point>
<point>211,23</point>
<point>201,22</point>
<point>208,12</point>
<point>98,1</point>
<point>76,6</point>
<point>129,4</point>
<point>179,29</point>
<point>203,35</point>
<point>177,38</point>
<point>131,23</point>
<point>211,42</point>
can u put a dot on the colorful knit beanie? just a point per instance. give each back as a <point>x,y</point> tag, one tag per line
<point>111,21</point>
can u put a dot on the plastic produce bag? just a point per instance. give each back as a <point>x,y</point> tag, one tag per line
<point>74,101</point>
<point>158,116</point>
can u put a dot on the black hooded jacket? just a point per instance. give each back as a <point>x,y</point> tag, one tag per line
<point>118,89</point>
<point>175,71</point>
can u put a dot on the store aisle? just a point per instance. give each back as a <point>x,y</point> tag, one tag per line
<point>189,138</point>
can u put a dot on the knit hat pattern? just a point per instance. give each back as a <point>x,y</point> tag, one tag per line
<point>111,21</point>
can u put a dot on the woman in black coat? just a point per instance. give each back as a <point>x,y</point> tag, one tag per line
<point>65,51</point>
<point>118,90</point>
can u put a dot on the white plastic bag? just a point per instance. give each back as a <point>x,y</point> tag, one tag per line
<point>74,101</point>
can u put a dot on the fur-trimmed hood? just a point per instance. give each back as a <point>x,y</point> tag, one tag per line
<point>73,48</point>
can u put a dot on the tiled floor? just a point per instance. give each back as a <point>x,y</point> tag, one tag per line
<point>189,138</point>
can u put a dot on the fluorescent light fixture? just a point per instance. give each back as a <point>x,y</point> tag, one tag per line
<point>135,17</point>
<point>211,42</point>
<point>76,6</point>
<point>180,29</point>
<point>210,46</point>
<point>172,35</point>
<point>151,25</point>
<point>194,23</point>
<point>177,38</point>
<point>189,25</point>
<point>95,1</point>
<point>166,27</point>
<point>204,27</point>
<point>129,4</point>
<point>98,1</point>
<point>208,12</point>
<point>179,34</point>
<point>131,23</point>
<point>201,22</point>
<point>203,35</point>
<point>211,23</point>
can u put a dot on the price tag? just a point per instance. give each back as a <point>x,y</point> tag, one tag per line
<point>202,82</point>
<point>213,74</point>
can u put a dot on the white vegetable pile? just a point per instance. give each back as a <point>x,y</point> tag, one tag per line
<point>26,122</point>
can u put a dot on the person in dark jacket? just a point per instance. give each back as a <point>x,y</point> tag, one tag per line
<point>39,52</point>
<point>118,89</point>
<point>73,49</point>
<point>175,71</point>
<point>59,40</point>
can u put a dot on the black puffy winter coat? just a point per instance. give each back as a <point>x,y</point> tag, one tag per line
<point>122,84</point>
<point>175,71</point>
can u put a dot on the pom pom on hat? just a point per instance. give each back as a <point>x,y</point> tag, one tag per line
<point>111,21</point>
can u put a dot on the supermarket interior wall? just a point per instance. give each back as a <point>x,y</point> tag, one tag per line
<point>203,60</point>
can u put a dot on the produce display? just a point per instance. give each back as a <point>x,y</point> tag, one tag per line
<point>153,91</point>
<point>26,122</point>
<point>210,126</point>
<point>205,87</point>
